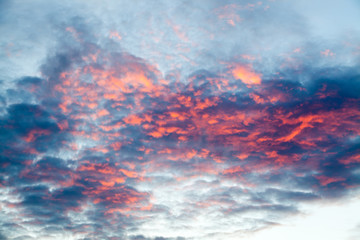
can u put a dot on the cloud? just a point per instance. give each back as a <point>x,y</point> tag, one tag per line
<point>116,138</point>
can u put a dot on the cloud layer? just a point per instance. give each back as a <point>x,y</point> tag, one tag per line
<point>186,122</point>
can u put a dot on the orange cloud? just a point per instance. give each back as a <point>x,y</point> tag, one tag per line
<point>246,75</point>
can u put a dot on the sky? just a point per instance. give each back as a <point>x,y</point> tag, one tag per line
<point>179,120</point>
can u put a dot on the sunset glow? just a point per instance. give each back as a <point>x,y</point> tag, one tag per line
<point>196,120</point>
